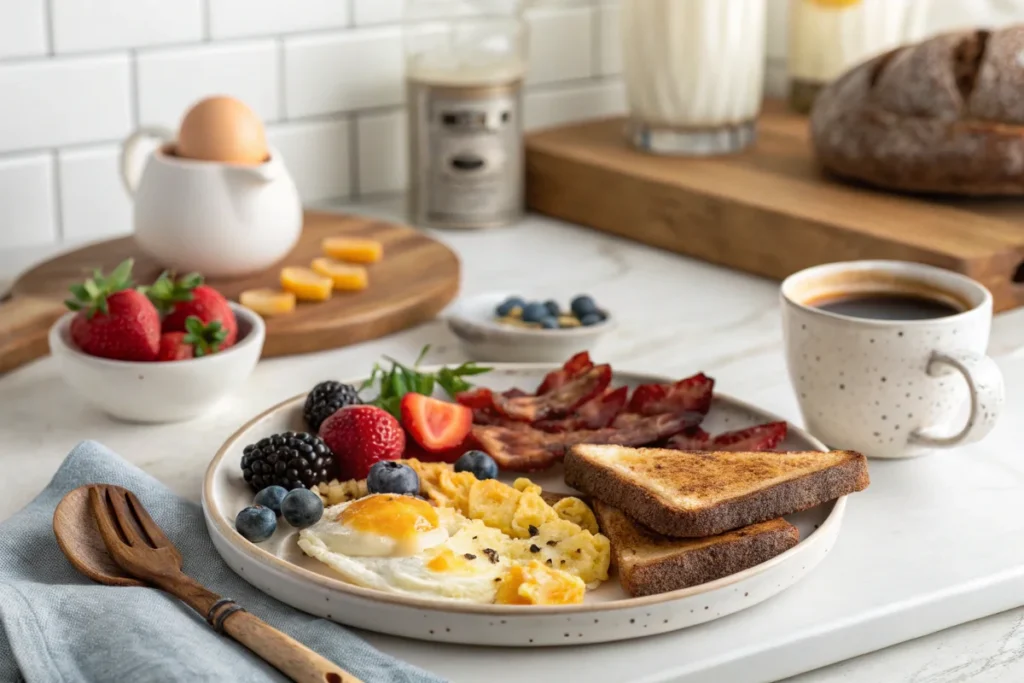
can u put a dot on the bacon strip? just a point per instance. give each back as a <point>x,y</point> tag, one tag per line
<point>525,449</point>
<point>693,393</point>
<point>558,402</point>
<point>695,439</point>
<point>594,414</point>
<point>763,437</point>
<point>573,368</point>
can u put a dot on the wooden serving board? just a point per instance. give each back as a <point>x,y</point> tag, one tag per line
<point>769,210</point>
<point>416,278</point>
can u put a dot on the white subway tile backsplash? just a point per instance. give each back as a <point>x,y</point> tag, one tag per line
<point>343,72</point>
<point>555,107</point>
<point>609,38</point>
<point>26,201</point>
<point>105,24</point>
<point>93,202</point>
<point>22,28</point>
<point>383,152</point>
<point>377,11</point>
<point>317,155</point>
<point>561,44</point>
<point>171,80</point>
<point>233,18</point>
<point>63,101</point>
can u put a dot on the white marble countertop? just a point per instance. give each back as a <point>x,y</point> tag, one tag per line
<point>676,315</point>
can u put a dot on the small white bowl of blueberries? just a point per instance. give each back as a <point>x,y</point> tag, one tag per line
<point>504,326</point>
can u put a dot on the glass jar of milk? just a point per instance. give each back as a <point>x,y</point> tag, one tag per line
<point>694,72</point>
<point>465,65</point>
<point>827,37</point>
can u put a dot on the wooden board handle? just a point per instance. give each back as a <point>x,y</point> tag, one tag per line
<point>288,655</point>
<point>24,325</point>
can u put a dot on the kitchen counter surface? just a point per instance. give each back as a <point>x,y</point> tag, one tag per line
<point>676,316</point>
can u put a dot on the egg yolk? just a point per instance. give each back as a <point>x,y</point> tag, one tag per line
<point>390,515</point>
<point>447,561</point>
<point>536,584</point>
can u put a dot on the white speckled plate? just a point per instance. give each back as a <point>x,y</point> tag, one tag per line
<point>281,570</point>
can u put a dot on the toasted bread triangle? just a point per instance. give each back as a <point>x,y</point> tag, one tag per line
<point>650,563</point>
<point>693,494</point>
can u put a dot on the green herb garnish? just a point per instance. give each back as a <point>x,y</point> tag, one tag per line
<point>399,380</point>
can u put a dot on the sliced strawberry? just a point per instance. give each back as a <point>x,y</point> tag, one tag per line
<point>690,394</point>
<point>760,438</point>
<point>594,414</point>
<point>559,402</point>
<point>693,439</point>
<point>435,425</point>
<point>414,450</point>
<point>573,368</point>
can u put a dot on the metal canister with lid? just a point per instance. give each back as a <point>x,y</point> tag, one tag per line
<point>465,65</point>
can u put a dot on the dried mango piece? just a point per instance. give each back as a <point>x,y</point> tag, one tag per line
<point>305,284</point>
<point>353,249</point>
<point>344,276</point>
<point>268,302</point>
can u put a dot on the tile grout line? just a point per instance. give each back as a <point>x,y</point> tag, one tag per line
<point>353,157</point>
<point>596,25</point>
<point>58,210</point>
<point>50,42</point>
<point>133,88</point>
<point>282,83</point>
<point>206,21</point>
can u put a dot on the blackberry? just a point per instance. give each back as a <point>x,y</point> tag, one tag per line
<point>288,459</point>
<point>325,399</point>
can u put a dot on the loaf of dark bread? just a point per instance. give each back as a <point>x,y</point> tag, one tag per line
<point>942,116</point>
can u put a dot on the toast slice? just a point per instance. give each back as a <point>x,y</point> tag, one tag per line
<point>649,563</point>
<point>689,494</point>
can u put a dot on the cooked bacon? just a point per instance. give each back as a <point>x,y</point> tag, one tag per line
<point>693,393</point>
<point>693,439</point>
<point>558,402</point>
<point>477,399</point>
<point>760,438</point>
<point>573,368</point>
<point>596,413</point>
<point>525,449</point>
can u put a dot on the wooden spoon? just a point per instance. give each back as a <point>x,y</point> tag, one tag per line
<point>108,536</point>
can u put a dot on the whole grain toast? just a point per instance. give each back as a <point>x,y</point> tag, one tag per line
<point>650,563</point>
<point>689,494</point>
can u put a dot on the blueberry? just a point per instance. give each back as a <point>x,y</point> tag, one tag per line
<point>506,306</point>
<point>552,307</point>
<point>256,523</point>
<point>271,497</point>
<point>534,312</point>
<point>389,476</point>
<point>591,319</point>
<point>582,305</point>
<point>549,323</point>
<point>479,463</point>
<point>302,508</point>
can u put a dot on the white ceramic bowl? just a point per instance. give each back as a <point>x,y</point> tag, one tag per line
<point>159,392</point>
<point>484,338</point>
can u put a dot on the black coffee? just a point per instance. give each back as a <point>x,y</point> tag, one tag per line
<point>887,307</point>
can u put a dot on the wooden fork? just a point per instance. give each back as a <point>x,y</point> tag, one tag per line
<point>141,549</point>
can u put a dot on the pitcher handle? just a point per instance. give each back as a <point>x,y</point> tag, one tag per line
<point>130,174</point>
<point>988,396</point>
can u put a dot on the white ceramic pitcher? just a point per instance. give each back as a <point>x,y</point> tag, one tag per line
<point>222,220</point>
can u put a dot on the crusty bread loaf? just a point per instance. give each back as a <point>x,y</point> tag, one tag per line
<point>650,563</point>
<point>942,116</point>
<point>687,494</point>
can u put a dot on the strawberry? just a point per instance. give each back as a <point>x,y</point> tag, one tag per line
<point>200,340</point>
<point>414,450</point>
<point>360,435</point>
<point>435,425</point>
<point>760,438</point>
<point>188,296</point>
<point>112,320</point>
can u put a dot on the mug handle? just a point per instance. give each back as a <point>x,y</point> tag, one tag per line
<point>130,154</point>
<point>985,381</point>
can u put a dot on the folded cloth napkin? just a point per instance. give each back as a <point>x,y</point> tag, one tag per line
<point>57,625</point>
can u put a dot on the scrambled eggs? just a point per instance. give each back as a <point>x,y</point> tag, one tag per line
<point>479,541</point>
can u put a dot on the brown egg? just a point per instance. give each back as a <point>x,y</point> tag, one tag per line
<point>222,129</point>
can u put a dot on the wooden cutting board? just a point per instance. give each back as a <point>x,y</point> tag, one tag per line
<point>769,210</point>
<point>417,277</point>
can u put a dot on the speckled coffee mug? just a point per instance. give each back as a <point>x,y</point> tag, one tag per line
<point>891,388</point>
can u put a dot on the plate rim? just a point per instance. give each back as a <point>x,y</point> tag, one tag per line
<point>257,554</point>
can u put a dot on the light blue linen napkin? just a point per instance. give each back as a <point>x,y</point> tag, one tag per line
<point>58,626</point>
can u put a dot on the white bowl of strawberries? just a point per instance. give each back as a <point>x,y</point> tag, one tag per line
<point>163,353</point>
